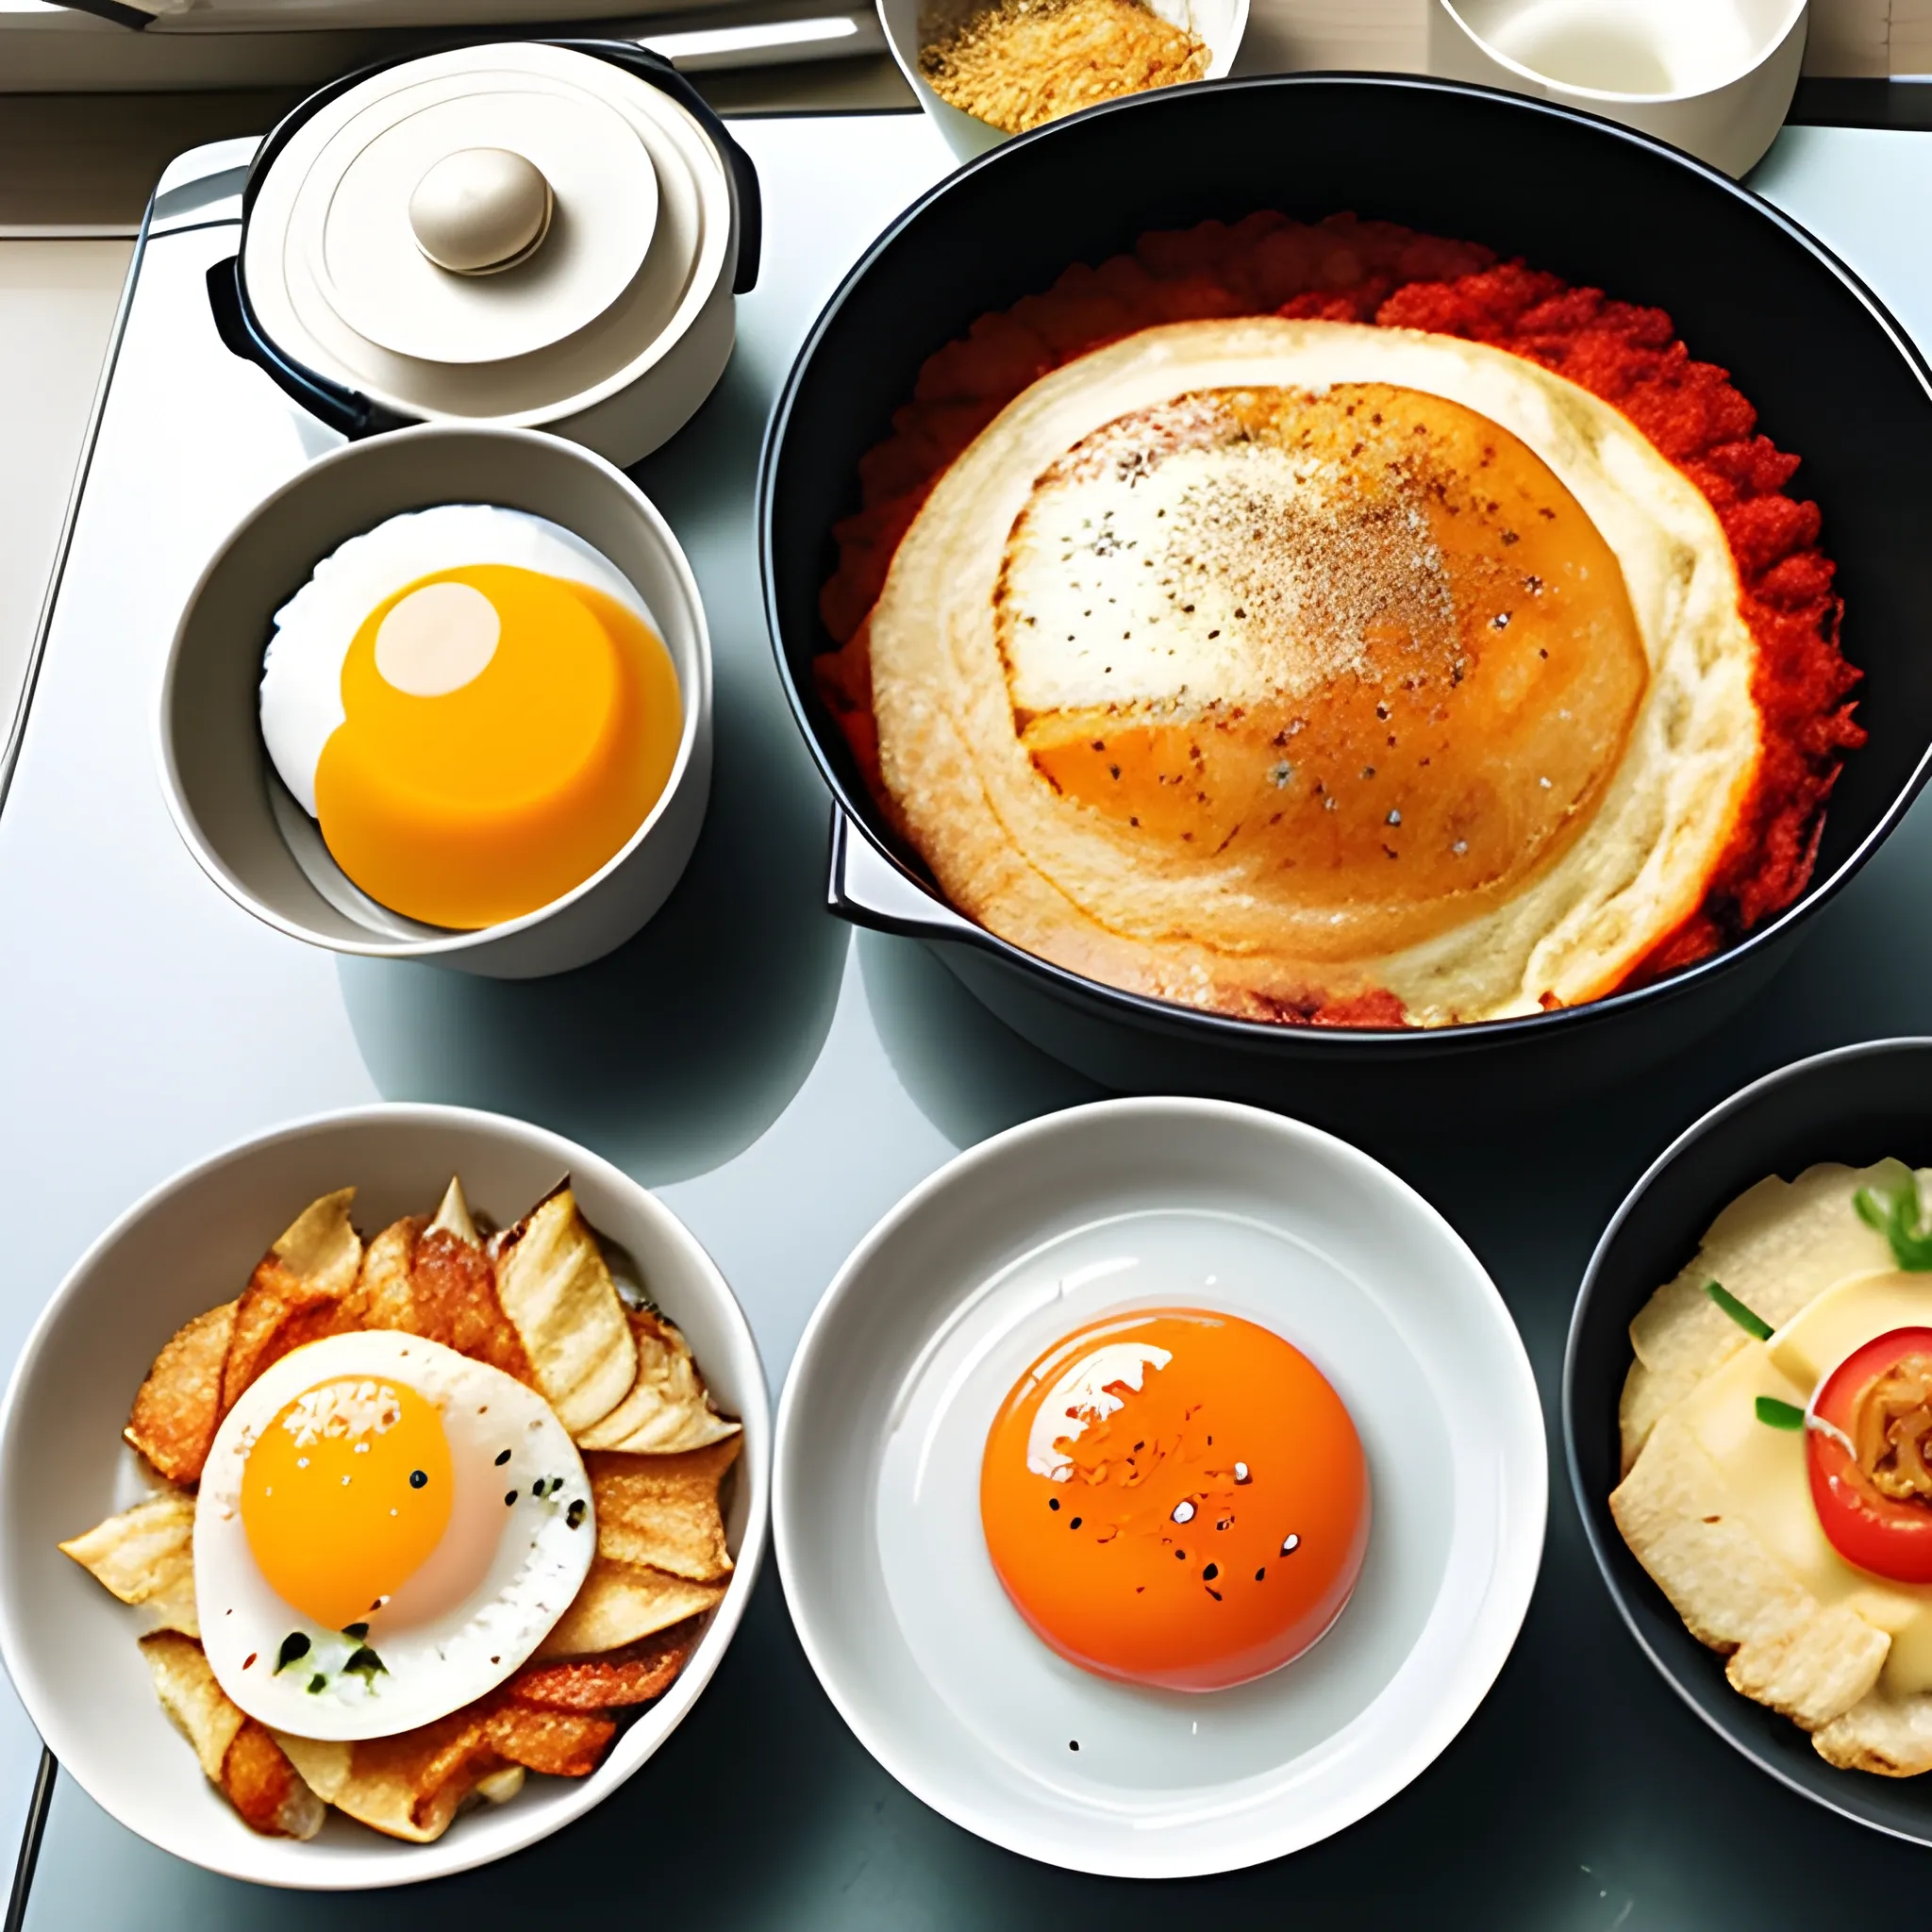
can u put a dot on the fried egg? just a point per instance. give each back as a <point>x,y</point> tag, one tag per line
<point>1175,1497</point>
<point>386,1531</point>
<point>475,706</point>
<point>1262,664</point>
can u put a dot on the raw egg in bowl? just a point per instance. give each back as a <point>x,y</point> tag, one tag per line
<point>1159,1488</point>
<point>446,694</point>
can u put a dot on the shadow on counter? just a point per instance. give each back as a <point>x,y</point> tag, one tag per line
<point>678,1051</point>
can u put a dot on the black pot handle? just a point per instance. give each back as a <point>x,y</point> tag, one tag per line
<point>345,410</point>
<point>748,207</point>
<point>865,888</point>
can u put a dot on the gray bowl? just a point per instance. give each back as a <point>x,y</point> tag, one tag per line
<point>1855,1105</point>
<point>253,839</point>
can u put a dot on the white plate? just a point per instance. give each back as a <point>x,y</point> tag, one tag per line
<point>1151,1202</point>
<point>70,1647</point>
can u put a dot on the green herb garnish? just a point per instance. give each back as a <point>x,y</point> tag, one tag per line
<point>294,1648</point>
<point>316,1683</point>
<point>365,1664</point>
<point>1779,1415</point>
<point>1896,1216</point>
<point>1748,1320</point>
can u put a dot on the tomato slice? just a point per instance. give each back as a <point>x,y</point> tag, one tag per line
<point>1889,1537</point>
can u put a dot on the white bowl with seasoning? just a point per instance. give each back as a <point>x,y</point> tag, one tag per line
<point>246,830</point>
<point>69,1647</point>
<point>1099,1212</point>
<point>1715,78</point>
<point>532,235</point>
<point>1219,24</point>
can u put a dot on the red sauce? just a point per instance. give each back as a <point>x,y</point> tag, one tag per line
<point>1345,269</point>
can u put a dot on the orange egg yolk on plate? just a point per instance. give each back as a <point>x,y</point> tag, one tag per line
<point>1175,1497</point>
<point>345,1495</point>
<point>505,734</point>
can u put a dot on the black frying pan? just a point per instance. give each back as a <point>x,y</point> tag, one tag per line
<point>1834,376</point>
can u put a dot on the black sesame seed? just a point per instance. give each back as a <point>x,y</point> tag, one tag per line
<point>575,1514</point>
<point>294,1648</point>
<point>1073,1744</point>
<point>316,1683</point>
<point>509,1497</point>
<point>503,1459</point>
<point>1180,1555</point>
<point>1212,1570</point>
<point>1075,1523</point>
<point>366,1663</point>
<point>359,1631</point>
<point>1053,1502</point>
<point>1260,1572</point>
<point>418,1477</point>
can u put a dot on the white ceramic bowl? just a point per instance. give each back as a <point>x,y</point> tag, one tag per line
<point>1149,1203</point>
<point>1219,23</point>
<point>1714,77</point>
<point>69,1647</point>
<point>250,835</point>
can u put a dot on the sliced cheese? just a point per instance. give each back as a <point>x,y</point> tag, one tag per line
<point>1765,1470</point>
<point>1846,1316</point>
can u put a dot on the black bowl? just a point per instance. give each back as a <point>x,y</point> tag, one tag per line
<point>1855,1105</point>
<point>1833,376</point>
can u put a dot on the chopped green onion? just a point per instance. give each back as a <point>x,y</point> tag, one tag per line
<point>1896,1215</point>
<point>1748,1320</point>
<point>365,1663</point>
<point>1779,1415</point>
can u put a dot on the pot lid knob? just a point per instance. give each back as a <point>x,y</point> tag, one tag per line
<point>481,210</point>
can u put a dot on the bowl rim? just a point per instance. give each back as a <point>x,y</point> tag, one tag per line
<point>1742,1102</point>
<point>452,944</point>
<point>441,1858</point>
<point>1333,1043</point>
<point>1522,1535</point>
<point>1764,47</point>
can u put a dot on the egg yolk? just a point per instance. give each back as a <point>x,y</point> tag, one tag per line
<point>1425,660</point>
<point>345,1494</point>
<point>1176,1498</point>
<point>505,733</point>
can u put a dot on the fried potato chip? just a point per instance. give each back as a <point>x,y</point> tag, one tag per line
<point>295,1294</point>
<point>1777,1247</point>
<point>661,1511</point>
<point>237,1754</point>
<point>411,1785</point>
<point>1808,1660</point>
<point>172,1422</point>
<point>435,1282</point>
<point>667,1408</point>
<point>147,1556</point>
<point>553,1283</point>
<point>1889,1736</point>
<point>620,1603</point>
<point>634,1674</point>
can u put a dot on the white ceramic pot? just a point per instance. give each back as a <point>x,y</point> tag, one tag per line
<point>70,1647</point>
<point>252,838</point>
<point>1219,23</point>
<point>1714,78</point>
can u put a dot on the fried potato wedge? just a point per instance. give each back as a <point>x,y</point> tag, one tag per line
<point>296,1291</point>
<point>175,1410</point>
<point>614,1681</point>
<point>411,1785</point>
<point>1889,1736</point>
<point>667,1409</point>
<point>554,1286</point>
<point>620,1603</point>
<point>661,1511</point>
<point>147,1556</point>
<point>1777,1247</point>
<point>1808,1660</point>
<point>237,1754</point>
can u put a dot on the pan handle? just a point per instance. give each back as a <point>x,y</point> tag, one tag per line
<point>746,207</point>
<point>866,887</point>
<point>345,410</point>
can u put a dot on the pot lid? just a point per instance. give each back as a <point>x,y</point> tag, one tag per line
<point>501,232</point>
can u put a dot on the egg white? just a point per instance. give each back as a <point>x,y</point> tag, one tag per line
<point>432,1665</point>
<point>302,674</point>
